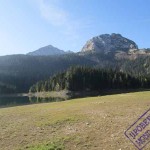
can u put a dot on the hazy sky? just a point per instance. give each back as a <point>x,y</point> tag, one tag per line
<point>26,25</point>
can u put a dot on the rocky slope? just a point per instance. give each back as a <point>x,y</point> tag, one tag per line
<point>114,45</point>
<point>108,43</point>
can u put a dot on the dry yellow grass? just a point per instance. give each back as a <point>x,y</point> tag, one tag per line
<point>94,123</point>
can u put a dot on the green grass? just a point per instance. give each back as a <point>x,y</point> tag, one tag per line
<point>94,123</point>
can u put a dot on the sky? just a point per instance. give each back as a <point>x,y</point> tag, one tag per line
<point>26,25</point>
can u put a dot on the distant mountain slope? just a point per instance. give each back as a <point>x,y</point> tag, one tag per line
<point>22,71</point>
<point>46,51</point>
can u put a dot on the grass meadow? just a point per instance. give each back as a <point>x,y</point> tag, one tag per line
<point>93,123</point>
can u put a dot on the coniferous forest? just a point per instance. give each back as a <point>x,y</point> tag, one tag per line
<point>89,79</point>
<point>19,72</point>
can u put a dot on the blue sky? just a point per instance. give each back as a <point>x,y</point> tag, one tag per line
<point>26,25</point>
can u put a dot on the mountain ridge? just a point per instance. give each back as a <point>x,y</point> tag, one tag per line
<point>104,43</point>
<point>48,50</point>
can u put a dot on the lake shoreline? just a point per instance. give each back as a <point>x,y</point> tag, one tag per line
<point>73,94</point>
<point>81,94</point>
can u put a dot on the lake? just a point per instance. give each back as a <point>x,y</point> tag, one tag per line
<point>7,101</point>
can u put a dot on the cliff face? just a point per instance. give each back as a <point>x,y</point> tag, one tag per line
<point>106,43</point>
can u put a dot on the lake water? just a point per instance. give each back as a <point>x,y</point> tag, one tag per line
<point>7,101</point>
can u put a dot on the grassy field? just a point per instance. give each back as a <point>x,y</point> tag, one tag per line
<point>94,123</point>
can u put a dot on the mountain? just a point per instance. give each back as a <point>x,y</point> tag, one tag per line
<point>19,72</point>
<point>109,43</point>
<point>114,45</point>
<point>47,51</point>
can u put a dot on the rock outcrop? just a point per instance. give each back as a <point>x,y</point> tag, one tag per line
<point>108,43</point>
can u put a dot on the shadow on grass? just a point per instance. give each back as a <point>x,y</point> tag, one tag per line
<point>82,94</point>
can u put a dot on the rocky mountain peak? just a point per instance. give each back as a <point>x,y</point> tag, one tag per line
<point>109,42</point>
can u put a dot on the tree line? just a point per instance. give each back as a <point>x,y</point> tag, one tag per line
<point>90,79</point>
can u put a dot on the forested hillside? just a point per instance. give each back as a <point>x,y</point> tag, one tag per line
<point>19,72</point>
<point>89,79</point>
<point>135,67</point>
